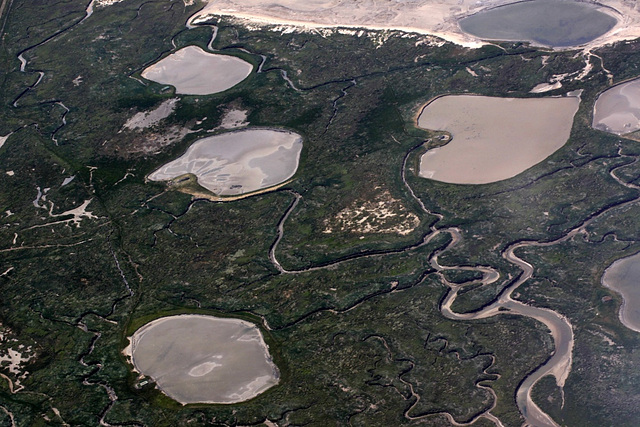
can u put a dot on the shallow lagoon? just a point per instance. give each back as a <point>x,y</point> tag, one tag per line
<point>238,162</point>
<point>544,22</point>
<point>195,72</point>
<point>617,110</point>
<point>204,359</point>
<point>493,138</point>
<point>623,277</point>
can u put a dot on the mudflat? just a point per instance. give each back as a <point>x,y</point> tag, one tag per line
<point>192,71</point>
<point>238,162</point>
<point>623,277</point>
<point>204,359</point>
<point>493,138</point>
<point>544,22</point>
<point>617,110</point>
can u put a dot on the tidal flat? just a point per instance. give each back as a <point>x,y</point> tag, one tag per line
<point>192,71</point>
<point>204,359</point>
<point>493,138</point>
<point>238,162</point>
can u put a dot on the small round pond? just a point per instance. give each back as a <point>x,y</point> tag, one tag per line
<point>493,138</point>
<point>544,22</point>
<point>238,162</point>
<point>623,277</point>
<point>204,359</point>
<point>195,72</point>
<point>617,110</point>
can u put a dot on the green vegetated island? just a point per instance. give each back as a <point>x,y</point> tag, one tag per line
<point>212,220</point>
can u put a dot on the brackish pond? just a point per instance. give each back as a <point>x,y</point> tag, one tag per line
<point>493,138</point>
<point>623,277</point>
<point>617,110</point>
<point>544,22</point>
<point>204,359</point>
<point>238,162</point>
<point>195,72</point>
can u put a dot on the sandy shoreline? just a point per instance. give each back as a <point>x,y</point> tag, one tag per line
<point>423,17</point>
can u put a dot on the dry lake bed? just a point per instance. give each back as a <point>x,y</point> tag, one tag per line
<point>204,359</point>
<point>192,71</point>
<point>238,162</point>
<point>493,138</point>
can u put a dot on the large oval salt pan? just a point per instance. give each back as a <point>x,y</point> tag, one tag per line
<point>204,359</point>
<point>617,110</point>
<point>493,138</point>
<point>195,72</point>
<point>238,162</point>
<point>546,22</point>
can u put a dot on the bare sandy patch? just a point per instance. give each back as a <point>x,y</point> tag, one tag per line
<point>146,119</point>
<point>382,214</point>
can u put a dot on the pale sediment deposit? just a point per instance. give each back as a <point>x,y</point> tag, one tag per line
<point>623,277</point>
<point>617,110</point>
<point>203,359</point>
<point>493,138</point>
<point>192,71</point>
<point>238,162</point>
<point>434,17</point>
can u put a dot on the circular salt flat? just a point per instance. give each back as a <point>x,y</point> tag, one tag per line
<point>545,22</point>
<point>493,138</point>
<point>204,359</point>
<point>617,110</point>
<point>195,72</point>
<point>238,162</point>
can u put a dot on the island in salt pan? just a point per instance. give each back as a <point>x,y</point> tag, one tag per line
<point>203,359</point>
<point>239,162</point>
<point>195,72</point>
<point>493,138</point>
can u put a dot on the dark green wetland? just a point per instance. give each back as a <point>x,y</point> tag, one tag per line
<point>345,268</point>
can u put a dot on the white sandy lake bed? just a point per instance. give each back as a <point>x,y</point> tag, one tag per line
<point>493,138</point>
<point>204,359</point>
<point>195,72</point>
<point>623,277</point>
<point>238,162</point>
